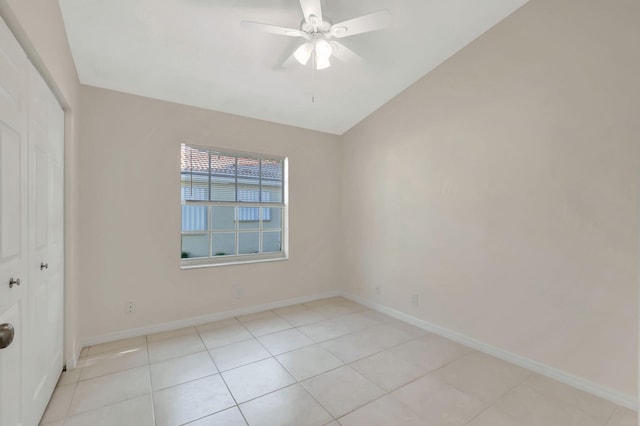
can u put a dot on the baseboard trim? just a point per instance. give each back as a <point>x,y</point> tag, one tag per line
<point>71,362</point>
<point>617,397</point>
<point>203,319</point>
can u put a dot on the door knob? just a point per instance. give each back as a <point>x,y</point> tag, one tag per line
<point>13,282</point>
<point>44,266</point>
<point>6,335</point>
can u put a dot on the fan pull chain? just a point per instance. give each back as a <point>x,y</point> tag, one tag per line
<point>313,78</point>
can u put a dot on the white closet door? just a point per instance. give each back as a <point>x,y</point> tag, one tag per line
<point>13,226</point>
<point>31,237</point>
<point>45,298</point>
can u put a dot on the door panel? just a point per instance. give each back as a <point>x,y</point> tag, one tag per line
<point>13,64</point>
<point>11,212</point>
<point>41,172</point>
<point>46,130</point>
<point>13,224</point>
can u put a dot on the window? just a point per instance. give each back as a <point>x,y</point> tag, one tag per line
<point>233,206</point>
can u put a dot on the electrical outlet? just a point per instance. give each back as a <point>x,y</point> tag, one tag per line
<point>378,290</point>
<point>129,307</point>
<point>415,300</point>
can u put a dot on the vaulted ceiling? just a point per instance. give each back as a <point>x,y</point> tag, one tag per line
<point>196,52</point>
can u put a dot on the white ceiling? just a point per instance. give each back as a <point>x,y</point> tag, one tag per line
<point>195,52</point>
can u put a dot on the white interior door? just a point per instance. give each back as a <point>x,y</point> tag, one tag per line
<point>13,225</point>
<point>45,293</point>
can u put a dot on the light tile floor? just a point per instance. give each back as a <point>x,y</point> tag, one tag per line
<point>329,362</point>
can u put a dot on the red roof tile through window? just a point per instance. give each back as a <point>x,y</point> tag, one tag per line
<point>197,160</point>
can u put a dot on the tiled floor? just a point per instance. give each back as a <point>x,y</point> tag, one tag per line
<point>329,362</point>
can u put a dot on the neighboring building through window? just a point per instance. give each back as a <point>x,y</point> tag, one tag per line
<point>233,206</point>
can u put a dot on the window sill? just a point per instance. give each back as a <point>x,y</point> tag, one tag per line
<point>207,263</point>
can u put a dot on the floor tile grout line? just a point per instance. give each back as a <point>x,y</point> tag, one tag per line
<point>153,392</point>
<point>111,404</point>
<point>350,363</point>
<point>153,398</point>
<point>241,323</point>
<point>219,371</point>
<point>185,382</point>
<point>213,414</point>
<point>80,379</point>
<point>249,331</point>
<point>272,356</point>
<point>283,388</point>
<point>276,316</point>
<point>300,310</point>
<point>299,383</point>
<point>559,400</point>
<point>487,408</point>
<point>286,352</point>
<point>149,363</point>
<point>66,410</point>
<point>612,416</point>
<point>77,383</point>
<point>275,390</point>
<point>494,403</point>
<point>233,397</point>
<point>293,350</point>
<point>390,392</point>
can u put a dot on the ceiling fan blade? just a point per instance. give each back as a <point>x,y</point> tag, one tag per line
<point>344,54</point>
<point>274,29</point>
<point>311,9</point>
<point>371,22</point>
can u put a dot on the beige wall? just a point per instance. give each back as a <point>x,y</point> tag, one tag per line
<point>38,26</point>
<point>130,213</point>
<point>503,188</point>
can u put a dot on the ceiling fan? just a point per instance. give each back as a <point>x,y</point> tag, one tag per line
<point>320,34</point>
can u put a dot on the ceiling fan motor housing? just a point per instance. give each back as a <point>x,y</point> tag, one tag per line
<point>315,25</point>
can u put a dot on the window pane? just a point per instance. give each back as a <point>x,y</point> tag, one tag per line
<point>194,218</point>
<point>195,245</point>
<point>248,180</point>
<point>271,241</point>
<point>194,173</point>
<point>248,242</point>
<point>248,217</point>
<point>223,177</point>
<point>223,218</point>
<point>223,244</point>
<point>271,194</point>
<point>194,187</point>
<point>272,178</point>
<point>271,217</point>
<point>248,195</point>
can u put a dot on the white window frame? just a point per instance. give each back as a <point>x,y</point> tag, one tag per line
<point>212,260</point>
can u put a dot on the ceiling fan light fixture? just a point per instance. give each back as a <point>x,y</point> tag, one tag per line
<point>322,62</point>
<point>303,53</point>
<point>323,49</point>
